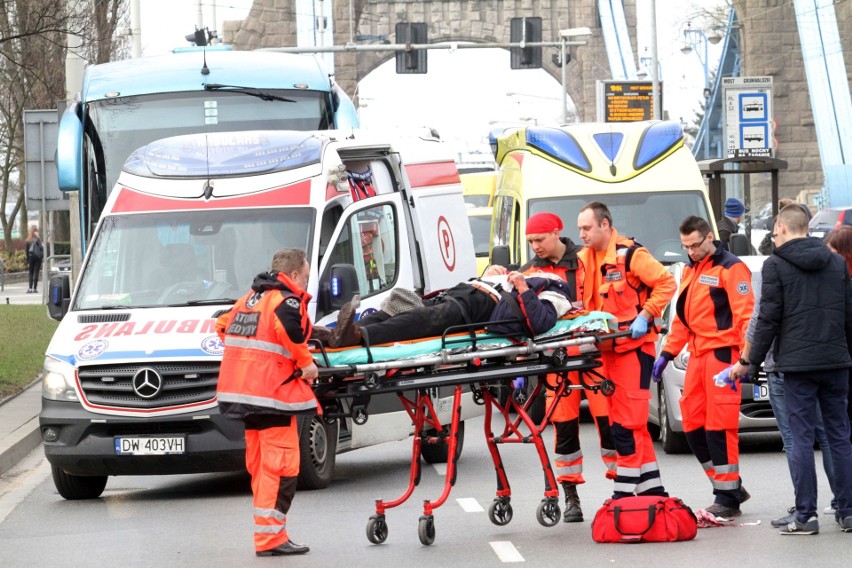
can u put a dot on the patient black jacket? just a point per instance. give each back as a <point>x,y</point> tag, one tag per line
<point>536,310</point>
<point>806,302</point>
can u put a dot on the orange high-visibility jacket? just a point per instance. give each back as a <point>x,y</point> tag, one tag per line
<point>258,372</point>
<point>631,280</point>
<point>714,305</point>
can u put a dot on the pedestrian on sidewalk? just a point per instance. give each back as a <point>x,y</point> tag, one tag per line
<point>35,255</point>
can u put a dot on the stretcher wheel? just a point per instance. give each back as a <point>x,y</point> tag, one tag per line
<point>548,512</point>
<point>426,529</point>
<point>500,511</point>
<point>478,399</point>
<point>559,357</point>
<point>371,381</point>
<point>607,387</point>
<point>377,529</point>
<point>359,416</point>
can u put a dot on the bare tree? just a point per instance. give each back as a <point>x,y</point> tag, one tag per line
<point>32,68</point>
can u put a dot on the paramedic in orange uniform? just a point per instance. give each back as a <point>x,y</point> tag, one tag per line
<point>265,381</point>
<point>558,255</point>
<point>623,279</point>
<point>713,309</point>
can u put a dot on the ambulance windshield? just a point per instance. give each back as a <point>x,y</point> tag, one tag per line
<point>186,257</point>
<point>650,218</point>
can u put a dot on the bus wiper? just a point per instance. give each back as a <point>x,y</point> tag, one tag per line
<point>263,95</point>
<point>205,302</point>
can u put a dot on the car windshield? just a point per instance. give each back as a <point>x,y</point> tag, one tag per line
<point>185,258</point>
<point>825,218</point>
<point>651,218</point>
<point>126,123</point>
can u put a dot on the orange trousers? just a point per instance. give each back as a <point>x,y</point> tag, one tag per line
<point>637,471</point>
<point>272,459</point>
<point>566,424</point>
<point>711,418</point>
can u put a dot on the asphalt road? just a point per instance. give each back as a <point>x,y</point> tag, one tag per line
<point>205,520</point>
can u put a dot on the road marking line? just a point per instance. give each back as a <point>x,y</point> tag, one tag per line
<point>506,551</point>
<point>441,468</point>
<point>470,505</point>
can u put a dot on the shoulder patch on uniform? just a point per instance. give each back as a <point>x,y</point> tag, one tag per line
<point>743,288</point>
<point>292,302</point>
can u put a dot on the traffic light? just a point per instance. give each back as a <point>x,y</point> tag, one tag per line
<point>525,30</point>
<point>413,60</point>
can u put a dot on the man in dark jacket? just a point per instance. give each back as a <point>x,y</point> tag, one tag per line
<point>539,300</point>
<point>729,224</point>
<point>806,308</point>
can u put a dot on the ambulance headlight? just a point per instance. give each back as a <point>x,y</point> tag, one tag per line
<point>58,381</point>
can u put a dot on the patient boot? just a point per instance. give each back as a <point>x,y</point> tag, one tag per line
<point>347,332</point>
<point>573,513</point>
<point>322,334</point>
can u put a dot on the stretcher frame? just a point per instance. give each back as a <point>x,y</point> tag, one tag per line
<point>485,372</point>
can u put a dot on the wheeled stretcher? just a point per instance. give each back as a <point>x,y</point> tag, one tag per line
<point>485,364</point>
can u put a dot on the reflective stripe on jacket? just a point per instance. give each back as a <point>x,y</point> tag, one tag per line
<point>628,287</point>
<point>714,304</point>
<point>258,371</point>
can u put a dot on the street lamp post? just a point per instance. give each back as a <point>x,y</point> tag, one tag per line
<point>564,35</point>
<point>695,39</point>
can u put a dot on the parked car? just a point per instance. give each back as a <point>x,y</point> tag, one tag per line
<point>62,266</point>
<point>827,219</point>
<point>665,419</point>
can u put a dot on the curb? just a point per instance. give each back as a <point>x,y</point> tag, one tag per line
<point>23,439</point>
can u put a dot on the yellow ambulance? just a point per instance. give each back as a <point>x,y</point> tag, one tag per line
<point>642,171</point>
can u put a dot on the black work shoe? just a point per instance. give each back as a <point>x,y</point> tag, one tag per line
<point>785,520</point>
<point>573,513</point>
<point>285,549</point>
<point>811,526</point>
<point>718,510</point>
<point>845,524</point>
<point>744,495</point>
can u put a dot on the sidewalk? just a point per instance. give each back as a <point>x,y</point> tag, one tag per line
<point>19,431</point>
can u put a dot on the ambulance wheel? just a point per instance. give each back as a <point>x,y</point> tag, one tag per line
<point>74,487</point>
<point>377,529</point>
<point>438,453</point>
<point>500,511</point>
<point>426,529</point>
<point>318,452</point>
<point>548,512</point>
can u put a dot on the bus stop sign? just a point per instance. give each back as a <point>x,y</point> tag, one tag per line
<point>748,117</point>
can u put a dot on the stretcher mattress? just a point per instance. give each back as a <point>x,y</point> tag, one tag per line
<point>597,322</point>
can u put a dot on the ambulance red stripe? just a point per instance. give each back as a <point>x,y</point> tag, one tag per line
<point>434,173</point>
<point>132,201</point>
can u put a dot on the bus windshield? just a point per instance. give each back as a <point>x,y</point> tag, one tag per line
<point>186,257</point>
<point>121,125</point>
<point>650,218</point>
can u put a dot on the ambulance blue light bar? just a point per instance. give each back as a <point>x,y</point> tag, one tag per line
<point>657,139</point>
<point>222,154</point>
<point>560,145</point>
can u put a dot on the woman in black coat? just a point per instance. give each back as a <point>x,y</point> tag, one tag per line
<point>35,254</point>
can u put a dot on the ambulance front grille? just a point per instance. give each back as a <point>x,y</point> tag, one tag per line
<point>179,383</point>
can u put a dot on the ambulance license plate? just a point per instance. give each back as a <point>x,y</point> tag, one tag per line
<point>761,391</point>
<point>150,446</point>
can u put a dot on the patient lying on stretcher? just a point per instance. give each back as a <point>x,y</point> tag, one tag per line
<point>532,303</point>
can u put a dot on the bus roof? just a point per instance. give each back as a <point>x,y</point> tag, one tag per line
<point>180,72</point>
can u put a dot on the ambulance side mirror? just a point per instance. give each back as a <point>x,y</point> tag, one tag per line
<point>59,296</point>
<point>341,286</point>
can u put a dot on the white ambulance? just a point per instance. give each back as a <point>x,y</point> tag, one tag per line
<point>130,375</point>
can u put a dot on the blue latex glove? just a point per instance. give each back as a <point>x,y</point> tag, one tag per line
<point>639,327</point>
<point>518,383</point>
<point>725,378</point>
<point>659,366</point>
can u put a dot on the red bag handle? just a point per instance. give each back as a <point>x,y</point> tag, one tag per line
<point>652,514</point>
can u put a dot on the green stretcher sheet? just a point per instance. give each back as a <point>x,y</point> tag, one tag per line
<point>598,322</point>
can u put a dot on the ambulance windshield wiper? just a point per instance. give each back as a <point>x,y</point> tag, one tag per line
<point>246,91</point>
<point>204,302</point>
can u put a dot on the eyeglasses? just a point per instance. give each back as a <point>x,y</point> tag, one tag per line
<point>695,246</point>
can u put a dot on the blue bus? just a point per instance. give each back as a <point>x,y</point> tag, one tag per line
<point>124,105</point>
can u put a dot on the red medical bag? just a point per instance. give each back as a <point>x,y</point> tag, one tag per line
<point>644,518</point>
